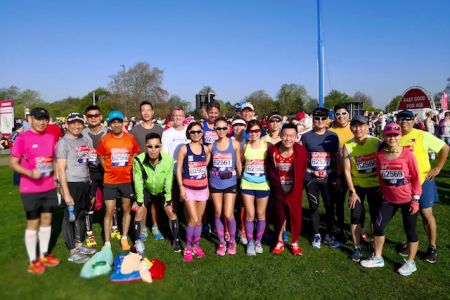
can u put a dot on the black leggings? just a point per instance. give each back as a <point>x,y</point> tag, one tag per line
<point>387,211</point>
<point>313,191</point>
<point>357,214</point>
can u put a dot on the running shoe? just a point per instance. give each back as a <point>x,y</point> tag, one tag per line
<point>156,233</point>
<point>49,260</point>
<point>407,268</point>
<point>36,268</point>
<point>90,241</point>
<point>331,241</point>
<point>139,247</point>
<point>431,255</point>
<point>125,245</point>
<point>356,255</point>
<point>198,252</point>
<point>285,236</point>
<point>222,249</point>
<point>115,234</point>
<point>231,248</point>
<point>373,262</point>
<point>279,248</point>
<point>251,248</point>
<point>258,248</point>
<point>316,241</point>
<point>78,258</point>
<point>176,245</point>
<point>187,255</point>
<point>243,238</point>
<point>296,250</point>
<point>143,235</point>
<point>86,250</point>
<point>403,249</point>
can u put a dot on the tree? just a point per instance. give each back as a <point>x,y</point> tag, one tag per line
<point>175,100</point>
<point>139,83</point>
<point>311,105</point>
<point>361,97</point>
<point>291,98</point>
<point>262,102</point>
<point>392,106</point>
<point>22,99</point>
<point>206,89</point>
<point>336,97</point>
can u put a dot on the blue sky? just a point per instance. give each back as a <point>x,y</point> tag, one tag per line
<point>68,48</point>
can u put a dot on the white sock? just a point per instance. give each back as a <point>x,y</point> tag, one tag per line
<point>44,239</point>
<point>31,243</point>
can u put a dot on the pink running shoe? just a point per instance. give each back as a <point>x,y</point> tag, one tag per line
<point>221,250</point>
<point>231,248</point>
<point>187,255</point>
<point>197,251</point>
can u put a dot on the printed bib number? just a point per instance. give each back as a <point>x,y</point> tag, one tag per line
<point>45,166</point>
<point>320,160</point>
<point>210,137</point>
<point>92,157</point>
<point>197,169</point>
<point>393,177</point>
<point>222,160</point>
<point>366,164</point>
<point>82,153</point>
<point>120,157</point>
<point>255,167</point>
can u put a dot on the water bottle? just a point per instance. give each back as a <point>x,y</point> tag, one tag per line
<point>71,212</point>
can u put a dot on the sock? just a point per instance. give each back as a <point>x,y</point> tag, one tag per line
<point>174,228</point>
<point>260,227</point>
<point>219,229</point>
<point>89,221</point>
<point>189,235</point>
<point>44,239</point>
<point>249,227</point>
<point>232,229</point>
<point>31,243</point>
<point>197,235</point>
<point>137,230</point>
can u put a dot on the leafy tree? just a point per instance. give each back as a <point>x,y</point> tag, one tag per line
<point>361,97</point>
<point>311,105</point>
<point>392,106</point>
<point>22,99</point>
<point>291,98</point>
<point>336,97</point>
<point>206,89</point>
<point>141,82</point>
<point>175,100</point>
<point>262,102</point>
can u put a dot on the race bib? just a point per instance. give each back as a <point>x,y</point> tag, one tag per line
<point>366,164</point>
<point>392,175</point>
<point>92,157</point>
<point>255,167</point>
<point>197,169</point>
<point>222,160</point>
<point>210,137</point>
<point>44,165</point>
<point>82,153</point>
<point>320,160</point>
<point>119,157</point>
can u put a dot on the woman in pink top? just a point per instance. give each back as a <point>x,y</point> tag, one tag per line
<point>399,180</point>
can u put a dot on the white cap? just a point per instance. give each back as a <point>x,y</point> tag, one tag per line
<point>247,105</point>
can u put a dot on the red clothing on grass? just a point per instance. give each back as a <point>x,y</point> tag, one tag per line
<point>399,178</point>
<point>293,199</point>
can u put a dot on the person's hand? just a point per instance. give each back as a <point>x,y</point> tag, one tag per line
<point>414,207</point>
<point>352,200</point>
<point>182,194</point>
<point>35,174</point>
<point>68,199</point>
<point>338,183</point>
<point>134,207</point>
<point>433,173</point>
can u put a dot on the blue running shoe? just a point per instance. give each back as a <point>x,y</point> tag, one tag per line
<point>316,241</point>
<point>408,268</point>
<point>373,262</point>
<point>156,233</point>
<point>356,255</point>
<point>331,241</point>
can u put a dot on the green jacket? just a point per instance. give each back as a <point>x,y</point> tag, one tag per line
<point>159,178</point>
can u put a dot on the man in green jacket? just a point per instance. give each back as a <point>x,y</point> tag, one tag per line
<point>153,171</point>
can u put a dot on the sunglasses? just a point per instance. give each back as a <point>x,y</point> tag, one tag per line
<point>195,131</point>
<point>254,130</point>
<point>221,128</point>
<point>320,118</point>
<point>405,119</point>
<point>153,146</point>
<point>275,120</point>
<point>341,114</point>
<point>93,116</point>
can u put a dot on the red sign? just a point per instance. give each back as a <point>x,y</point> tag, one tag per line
<point>444,101</point>
<point>6,117</point>
<point>415,98</point>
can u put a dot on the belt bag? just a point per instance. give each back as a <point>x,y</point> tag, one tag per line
<point>253,178</point>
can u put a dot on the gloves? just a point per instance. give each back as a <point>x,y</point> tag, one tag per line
<point>414,207</point>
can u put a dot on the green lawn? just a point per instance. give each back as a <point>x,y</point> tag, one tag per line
<point>323,273</point>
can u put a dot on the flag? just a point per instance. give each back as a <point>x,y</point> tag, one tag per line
<point>444,101</point>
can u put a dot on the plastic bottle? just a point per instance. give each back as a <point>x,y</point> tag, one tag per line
<point>71,212</point>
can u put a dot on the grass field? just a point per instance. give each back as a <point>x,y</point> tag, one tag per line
<point>324,273</point>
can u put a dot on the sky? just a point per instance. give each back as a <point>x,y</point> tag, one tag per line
<point>66,48</point>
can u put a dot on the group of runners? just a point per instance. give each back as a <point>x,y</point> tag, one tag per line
<point>249,179</point>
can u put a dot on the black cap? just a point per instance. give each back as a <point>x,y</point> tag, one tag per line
<point>359,118</point>
<point>405,114</point>
<point>320,112</point>
<point>75,117</point>
<point>39,113</point>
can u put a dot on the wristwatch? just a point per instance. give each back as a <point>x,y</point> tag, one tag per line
<point>351,191</point>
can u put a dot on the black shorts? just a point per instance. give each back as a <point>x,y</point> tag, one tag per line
<point>80,192</point>
<point>229,190</point>
<point>96,182</point>
<point>149,198</point>
<point>36,203</point>
<point>113,191</point>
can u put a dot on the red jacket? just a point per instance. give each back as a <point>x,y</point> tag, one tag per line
<point>300,164</point>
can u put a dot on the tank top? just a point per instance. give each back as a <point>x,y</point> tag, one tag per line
<point>223,171</point>
<point>194,175</point>
<point>363,161</point>
<point>254,175</point>
<point>209,135</point>
<point>285,167</point>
